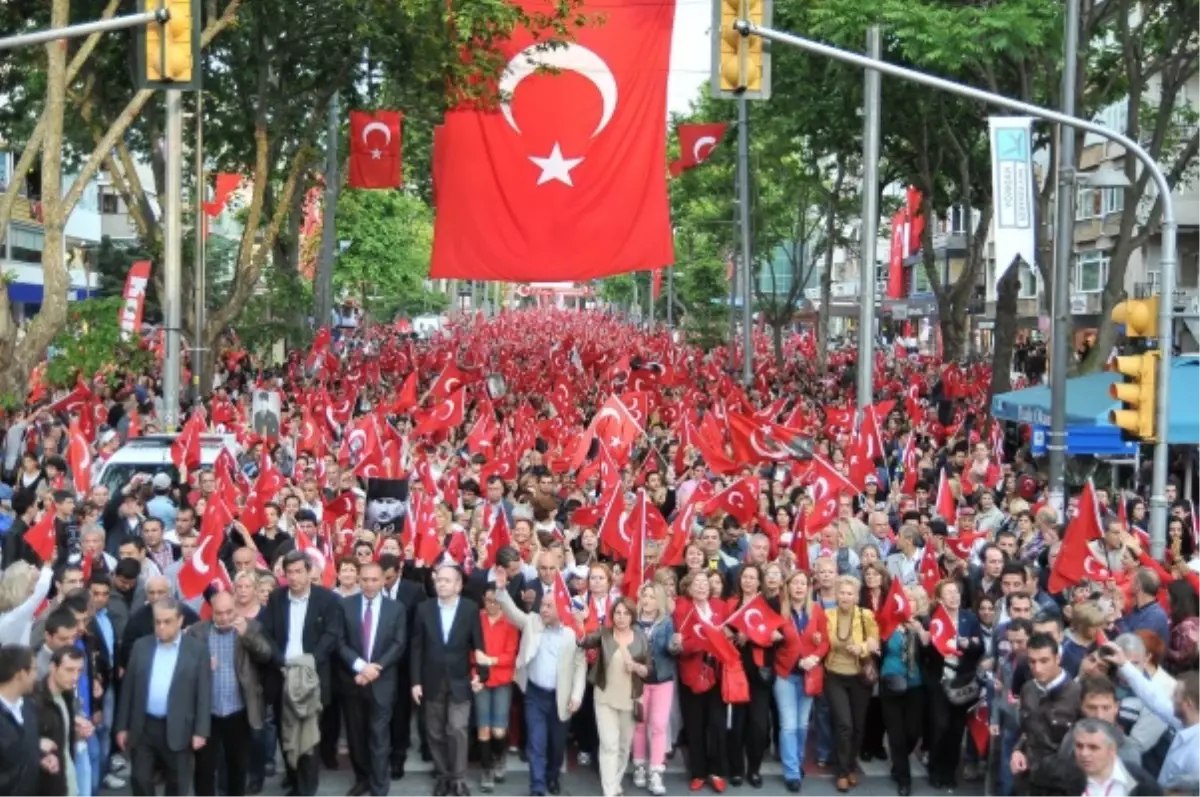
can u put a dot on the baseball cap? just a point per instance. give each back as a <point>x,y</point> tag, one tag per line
<point>161,481</point>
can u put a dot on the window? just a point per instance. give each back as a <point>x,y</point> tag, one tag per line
<point>921,282</point>
<point>26,244</point>
<point>109,203</point>
<point>1112,200</point>
<point>1153,278</point>
<point>1087,203</point>
<point>3,170</point>
<point>1091,271</point>
<point>956,220</point>
<point>1029,282</point>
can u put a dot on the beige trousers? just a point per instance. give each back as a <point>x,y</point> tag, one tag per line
<point>616,738</point>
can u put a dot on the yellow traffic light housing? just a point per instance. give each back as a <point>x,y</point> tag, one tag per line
<point>741,65</point>
<point>1140,317</point>
<point>1137,393</point>
<point>169,52</point>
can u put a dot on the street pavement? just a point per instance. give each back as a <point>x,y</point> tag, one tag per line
<point>875,781</point>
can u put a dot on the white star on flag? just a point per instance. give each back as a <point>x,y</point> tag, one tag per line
<point>376,154</point>
<point>556,167</point>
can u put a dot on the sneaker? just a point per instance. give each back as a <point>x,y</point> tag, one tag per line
<point>656,786</point>
<point>500,771</point>
<point>639,775</point>
<point>119,765</point>
<point>585,760</point>
<point>488,782</point>
<point>111,781</point>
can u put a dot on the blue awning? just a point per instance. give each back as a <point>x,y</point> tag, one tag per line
<point>29,293</point>
<point>1089,402</point>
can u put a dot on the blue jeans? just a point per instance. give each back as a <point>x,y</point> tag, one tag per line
<point>491,707</point>
<point>104,735</point>
<point>794,707</point>
<point>83,766</point>
<point>1008,740</point>
<point>547,737</point>
<point>824,728</point>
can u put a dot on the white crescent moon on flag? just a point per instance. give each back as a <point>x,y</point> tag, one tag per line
<point>703,141</point>
<point>1087,566</point>
<point>448,406</point>
<point>741,499</point>
<point>935,628</point>
<point>316,557</point>
<point>452,384</point>
<point>570,58</point>
<point>758,624</point>
<point>198,556</point>
<point>367,128</point>
<point>607,412</point>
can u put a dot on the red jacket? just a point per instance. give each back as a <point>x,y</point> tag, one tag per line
<point>500,639</point>
<point>797,646</point>
<point>691,658</point>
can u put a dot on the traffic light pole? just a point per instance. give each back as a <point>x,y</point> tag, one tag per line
<point>200,280</point>
<point>1167,262</point>
<point>870,223</point>
<point>744,229</point>
<point>1064,249</point>
<point>84,29</point>
<point>172,254</point>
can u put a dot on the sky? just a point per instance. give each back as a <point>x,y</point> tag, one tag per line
<point>691,53</point>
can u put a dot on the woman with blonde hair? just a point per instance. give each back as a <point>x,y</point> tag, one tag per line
<point>853,639</point>
<point>798,674</point>
<point>22,590</point>
<point>658,690</point>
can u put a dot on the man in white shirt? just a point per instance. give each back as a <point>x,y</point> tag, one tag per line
<point>1181,711</point>
<point>1096,743</point>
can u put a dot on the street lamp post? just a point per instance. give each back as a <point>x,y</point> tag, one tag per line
<point>1167,262</point>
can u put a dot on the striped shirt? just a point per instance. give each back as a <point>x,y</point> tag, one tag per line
<point>226,693</point>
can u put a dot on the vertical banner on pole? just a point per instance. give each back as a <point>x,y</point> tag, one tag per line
<point>1012,191</point>
<point>134,299</point>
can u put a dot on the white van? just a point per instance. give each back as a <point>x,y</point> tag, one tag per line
<point>151,454</point>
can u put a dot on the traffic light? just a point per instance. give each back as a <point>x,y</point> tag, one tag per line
<point>169,53</point>
<point>1136,391</point>
<point>1140,317</point>
<point>741,65</point>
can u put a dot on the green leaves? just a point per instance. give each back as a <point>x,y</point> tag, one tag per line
<point>91,343</point>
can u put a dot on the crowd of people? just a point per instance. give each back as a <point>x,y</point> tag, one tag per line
<point>608,551</point>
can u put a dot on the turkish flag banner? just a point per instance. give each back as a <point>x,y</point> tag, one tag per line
<point>696,144</point>
<point>565,179</point>
<point>375,149</point>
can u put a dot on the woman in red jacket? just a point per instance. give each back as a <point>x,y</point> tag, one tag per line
<point>704,712</point>
<point>798,671</point>
<point>750,723</point>
<point>501,639</point>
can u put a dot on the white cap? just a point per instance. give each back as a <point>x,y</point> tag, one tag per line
<point>108,437</point>
<point>161,481</point>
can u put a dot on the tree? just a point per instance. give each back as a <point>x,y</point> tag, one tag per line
<point>386,261</point>
<point>91,344</point>
<point>36,113</point>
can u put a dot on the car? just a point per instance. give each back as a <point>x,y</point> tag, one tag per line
<point>151,454</point>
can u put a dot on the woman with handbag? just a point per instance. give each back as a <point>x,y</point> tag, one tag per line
<point>799,675</point>
<point>750,723</point>
<point>658,690</point>
<point>850,674</point>
<point>704,710</point>
<point>958,690</point>
<point>876,582</point>
<point>902,688</point>
<point>622,661</point>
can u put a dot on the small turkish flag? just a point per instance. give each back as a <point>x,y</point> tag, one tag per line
<point>947,505</point>
<point>375,149</point>
<point>696,144</point>
<point>757,621</point>
<point>943,632</point>
<point>895,610</point>
<point>42,536</point>
<point>739,500</point>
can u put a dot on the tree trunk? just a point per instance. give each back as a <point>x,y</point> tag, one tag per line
<point>1004,332</point>
<point>953,325</point>
<point>777,340</point>
<point>19,360</point>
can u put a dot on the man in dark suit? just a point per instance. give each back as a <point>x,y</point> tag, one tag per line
<point>374,640</point>
<point>266,422</point>
<point>302,618</point>
<point>447,632</point>
<point>409,594</point>
<point>164,709</point>
<point>25,754</point>
<point>54,699</point>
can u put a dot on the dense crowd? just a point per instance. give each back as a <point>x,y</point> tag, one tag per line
<point>604,548</point>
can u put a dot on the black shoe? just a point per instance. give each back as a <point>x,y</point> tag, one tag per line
<point>254,786</point>
<point>866,756</point>
<point>793,786</point>
<point>426,756</point>
<point>553,787</point>
<point>461,790</point>
<point>329,762</point>
<point>755,780</point>
<point>358,789</point>
<point>440,788</point>
<point>903,790</point>
<point>269,769</point>
<point>735,780</point>
<point>880,754</point>
<point>397,771</point>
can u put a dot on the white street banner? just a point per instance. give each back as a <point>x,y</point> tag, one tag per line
<point>1012,191</point>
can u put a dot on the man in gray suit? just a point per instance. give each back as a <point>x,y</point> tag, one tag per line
<point>164,714</point>
<point>374,640</point>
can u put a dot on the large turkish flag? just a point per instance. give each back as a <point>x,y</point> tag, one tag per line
<point>565,180</point>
